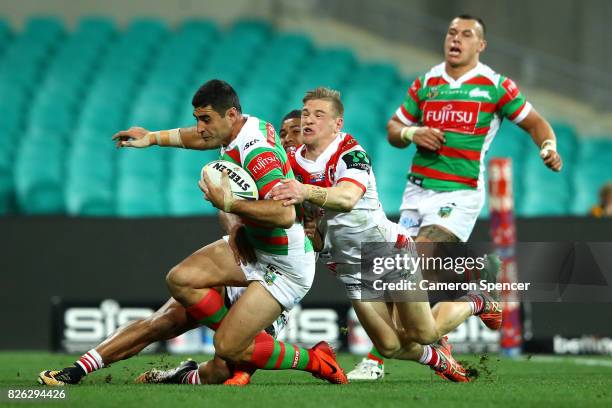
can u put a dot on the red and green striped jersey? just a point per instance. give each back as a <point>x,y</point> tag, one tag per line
<point>469,111</point>
<point>258,150</point>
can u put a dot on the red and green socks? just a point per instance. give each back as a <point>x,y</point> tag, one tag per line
<point>270,354</point>
<point>210,310</point>
<point>376,356</point>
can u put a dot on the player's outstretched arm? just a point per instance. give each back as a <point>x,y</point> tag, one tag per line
<point>268,213</point>
<point>138,137</point>
<point>342,197</point>
<point>544,137</point>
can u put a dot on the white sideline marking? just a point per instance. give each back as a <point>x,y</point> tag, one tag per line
<point>578,361</point>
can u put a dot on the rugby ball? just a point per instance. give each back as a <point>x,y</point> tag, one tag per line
<point>242,184</point>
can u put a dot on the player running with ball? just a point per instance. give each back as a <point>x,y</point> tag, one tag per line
<point>279,279</point>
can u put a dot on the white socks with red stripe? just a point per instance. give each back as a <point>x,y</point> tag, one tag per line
<point>192,377</point>
<point>430,356</point>
<point>90,361</point>
<point>476,302</point>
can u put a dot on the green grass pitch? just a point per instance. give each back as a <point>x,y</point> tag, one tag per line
<point>523,383</point>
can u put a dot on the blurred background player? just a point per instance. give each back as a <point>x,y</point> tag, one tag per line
<point>604,208</point>
<point>452,114</point>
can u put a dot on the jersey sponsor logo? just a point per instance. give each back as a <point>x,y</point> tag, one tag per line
<point>479,93</point>
<point>357,159</point>
<point>232,176</point>
<point>263,164</point>
<point>270,134</point>
<point>510,88</point>
<point>316,177</point>
<point>452,116</point>
<point>270,274</point>
<point>249,144</point>
<point>445,212</point>
<point>433,92</point>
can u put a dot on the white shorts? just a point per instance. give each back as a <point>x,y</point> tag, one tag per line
<point>288,278</point>
<point>456,211</point>
<point>348,271</point>
<point>233,293</point>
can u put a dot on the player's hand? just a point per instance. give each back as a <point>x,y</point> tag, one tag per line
<point>429,138</point>
<point>133,137</point>
<point>290,191</point>
<point>240,245</point>
<point>220,196</point>
<point>312,232</point>
<point>551,159</point>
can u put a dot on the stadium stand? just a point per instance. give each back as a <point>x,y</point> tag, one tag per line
<point>66,92</point>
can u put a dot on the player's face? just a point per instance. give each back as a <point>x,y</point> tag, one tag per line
<point>464,42</point>
<point>319,121</point>
<point>291,133</point>
<point>213,128</point>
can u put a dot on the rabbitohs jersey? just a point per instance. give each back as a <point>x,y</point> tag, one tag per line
<point>258,150</point>
<point>345,160</point>
<point>469,111</point>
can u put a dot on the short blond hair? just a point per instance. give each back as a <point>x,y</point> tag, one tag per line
<point>326,94</point>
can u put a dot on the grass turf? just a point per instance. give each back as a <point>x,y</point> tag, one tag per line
<point>501,382</point>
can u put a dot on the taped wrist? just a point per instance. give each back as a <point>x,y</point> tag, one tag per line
<point>170,137</point>
<point>407,133</point>
<point>316,195</point>
<point>547,146</point>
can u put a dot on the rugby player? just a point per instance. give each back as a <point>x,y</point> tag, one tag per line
<point>334,172</point>
<point>275,283</point>
<point>452,114</point>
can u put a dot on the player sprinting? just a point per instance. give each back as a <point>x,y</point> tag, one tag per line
<point>452,114</point>
<point>279,279</point>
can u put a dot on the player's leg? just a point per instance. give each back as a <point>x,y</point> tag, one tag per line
<point>167,322</point>
<point>241,339</point>
<point>384,327</point>
<point>450,217</point>
<point>191,282</point>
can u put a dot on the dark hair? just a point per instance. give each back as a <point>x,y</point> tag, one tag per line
<point>294,114</point>
<point>218,94</point>
<point>478,19</point>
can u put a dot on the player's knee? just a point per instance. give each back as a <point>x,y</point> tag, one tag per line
<point>424,336</point>
<point>388,348</point>
<point>226,348</point>
<point>180,278</point>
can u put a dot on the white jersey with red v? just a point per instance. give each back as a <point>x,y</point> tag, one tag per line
<point>344,160</point>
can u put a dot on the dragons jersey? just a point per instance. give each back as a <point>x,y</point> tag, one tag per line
<point>258,150</point>
<point>469,111</point>
<point>345,160</point>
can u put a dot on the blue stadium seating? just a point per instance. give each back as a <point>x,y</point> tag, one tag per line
<point>64,93</point>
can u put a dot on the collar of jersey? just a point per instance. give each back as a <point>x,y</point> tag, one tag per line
<point>323,157</point>
<point>456,83</point>
<point>245,128</point>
